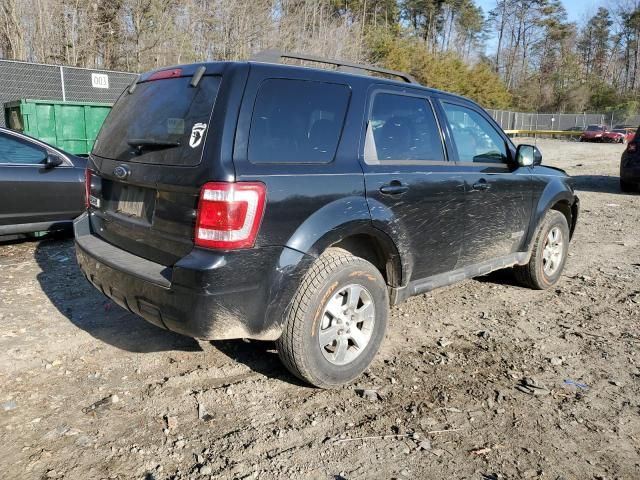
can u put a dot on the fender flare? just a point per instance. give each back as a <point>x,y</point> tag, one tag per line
<point>555,191</point>
<point>327,226</point>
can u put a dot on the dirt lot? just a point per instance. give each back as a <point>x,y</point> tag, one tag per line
<point>88,390</point>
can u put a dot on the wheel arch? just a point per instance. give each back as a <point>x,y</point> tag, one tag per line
<point>557,196</point>
<point>347,223</point>
<point>379,250</point>
<point>563,206</point>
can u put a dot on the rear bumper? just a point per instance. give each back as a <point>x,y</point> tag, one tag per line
<point>207,294</point>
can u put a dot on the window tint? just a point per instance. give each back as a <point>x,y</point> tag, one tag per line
<point>297,121</point>
<point>475,138</point>
<point>13,150</point>
<point>402,128</point>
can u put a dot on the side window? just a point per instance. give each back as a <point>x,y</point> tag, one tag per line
<point>476,140</point>
<point>402,128</point>
<point>13,150</point>
<point>297,121</point>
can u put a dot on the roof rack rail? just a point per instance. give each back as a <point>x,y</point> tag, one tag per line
<point>274,56</point>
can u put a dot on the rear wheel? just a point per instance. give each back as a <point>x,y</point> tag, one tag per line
<point>337,320</point>
<point>549,253</point>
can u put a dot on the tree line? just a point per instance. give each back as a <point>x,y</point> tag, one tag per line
<point>538,60</point>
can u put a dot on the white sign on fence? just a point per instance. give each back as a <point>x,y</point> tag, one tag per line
<point>99,80</point>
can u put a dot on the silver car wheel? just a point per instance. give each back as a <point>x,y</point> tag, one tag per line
<point>346,325</point>
<point>553,251</point>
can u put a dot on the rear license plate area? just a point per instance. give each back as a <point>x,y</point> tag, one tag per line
<point>129,200</point>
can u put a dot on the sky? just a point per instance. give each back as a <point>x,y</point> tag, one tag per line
<point>578,11</point>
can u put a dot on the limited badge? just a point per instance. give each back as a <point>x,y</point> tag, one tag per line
<point>197,134</point>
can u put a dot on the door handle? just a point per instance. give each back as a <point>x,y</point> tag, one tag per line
<point>481,185</point>
<point>394,188</point>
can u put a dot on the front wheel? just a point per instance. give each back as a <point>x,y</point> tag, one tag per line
<point>549,253</point>
<point>337,320</point>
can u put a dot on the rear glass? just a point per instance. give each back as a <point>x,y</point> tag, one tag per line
<point>163,122</point>
<point>297,121</point>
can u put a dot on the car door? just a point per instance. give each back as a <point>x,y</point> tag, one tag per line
<point>412,189</point>
<point>30,192</point>
<point>499,196</point>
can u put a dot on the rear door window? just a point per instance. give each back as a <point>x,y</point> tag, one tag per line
<point>402,129</point>
<point>297,121</point>
<point>162,122</point>
<point>18,152</point>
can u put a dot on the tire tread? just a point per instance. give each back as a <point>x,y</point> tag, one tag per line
<point>289,344</point>
<point>526,274</point>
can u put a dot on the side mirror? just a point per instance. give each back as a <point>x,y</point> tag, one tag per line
<point>528,156</point>
<point>52,161</point>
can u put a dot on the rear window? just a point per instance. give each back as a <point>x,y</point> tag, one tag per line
<point>297,121</point>
<point>163,122</point>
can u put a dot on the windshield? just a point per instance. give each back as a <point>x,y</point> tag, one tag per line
<point>162,122</point>
<point>594,128</point>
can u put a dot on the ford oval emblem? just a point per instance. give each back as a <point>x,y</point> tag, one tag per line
<point>122,172</point>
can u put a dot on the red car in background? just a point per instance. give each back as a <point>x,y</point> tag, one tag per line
<point>629,133</point>
<point>601,133</point>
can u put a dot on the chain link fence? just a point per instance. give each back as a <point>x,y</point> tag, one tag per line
<point>559,121</point>
<point>20,80</point>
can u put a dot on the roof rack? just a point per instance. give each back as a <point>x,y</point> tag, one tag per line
<point>274,56</point>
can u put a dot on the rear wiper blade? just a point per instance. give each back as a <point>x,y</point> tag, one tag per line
<point>151,143</point>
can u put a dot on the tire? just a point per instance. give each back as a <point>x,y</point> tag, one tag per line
<point>545,267</point>
<point>627,186</point>
<point>332,280</point>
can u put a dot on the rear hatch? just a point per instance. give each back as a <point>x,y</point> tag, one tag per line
<point>147,163</point>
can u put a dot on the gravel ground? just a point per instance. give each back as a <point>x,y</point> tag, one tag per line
<point>482,380</point>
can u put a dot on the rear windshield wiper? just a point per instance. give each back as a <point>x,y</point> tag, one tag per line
<point>151,144</point>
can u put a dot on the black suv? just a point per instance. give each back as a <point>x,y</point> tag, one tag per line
<point>277,202</point>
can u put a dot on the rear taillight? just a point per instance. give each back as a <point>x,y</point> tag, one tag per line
<point>229,214</point>
<point>87,187</point>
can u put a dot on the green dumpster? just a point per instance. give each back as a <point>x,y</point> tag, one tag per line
<point>71,126</point>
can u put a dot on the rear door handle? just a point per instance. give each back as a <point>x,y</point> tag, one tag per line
<point>394,188</point>
<point>481,185</point>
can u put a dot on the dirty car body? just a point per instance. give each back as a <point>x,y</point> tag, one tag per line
<point>421,205</point>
